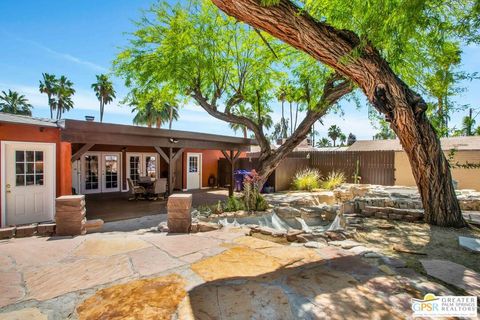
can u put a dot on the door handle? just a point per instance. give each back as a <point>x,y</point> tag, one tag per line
<point>8,186</point>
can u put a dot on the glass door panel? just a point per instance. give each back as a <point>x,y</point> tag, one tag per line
<point>150,166</point>
<point>134,169</point>
<point>111,176</point>
<point>91,173</point>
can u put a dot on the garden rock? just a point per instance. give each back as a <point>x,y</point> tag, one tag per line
<point>313,245</point>
<point>372,255</point>
<point>470,244</point>
<point>207,226</point>
<point>394,262</point>
<point>454,274</point>
<point>345,244</point>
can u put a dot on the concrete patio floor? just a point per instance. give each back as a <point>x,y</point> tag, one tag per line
<point>215,275</point>
<point>116,206</point>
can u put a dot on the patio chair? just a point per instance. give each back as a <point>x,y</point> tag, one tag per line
<point>160,187</point>
<point>135,191</point>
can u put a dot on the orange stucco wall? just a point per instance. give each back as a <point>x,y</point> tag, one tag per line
<point>209,164</point>
<point>26,133</point>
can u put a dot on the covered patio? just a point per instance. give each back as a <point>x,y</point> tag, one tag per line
<point>116,206</point>
<point>177,156</point>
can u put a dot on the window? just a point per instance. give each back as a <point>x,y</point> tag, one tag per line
<point>28,168</point>
<point>193,164</point>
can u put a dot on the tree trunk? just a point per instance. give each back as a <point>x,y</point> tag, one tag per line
<point>291,119</point>
<point>170,118</point>
<point>101,111</point>
<point>401,106</point>
<point>244,132</point>
<point>296,116</point>
<point>284,132</point>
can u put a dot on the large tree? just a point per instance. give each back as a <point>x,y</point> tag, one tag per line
<point>64,92</point>
<point>47,86</point>
<point>225,67</point>
<point>373,43</point>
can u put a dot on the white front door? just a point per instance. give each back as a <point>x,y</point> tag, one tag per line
<point>194,171</point>
<point>141,165</point>
<point>101,172</point>
<point>28,188</point>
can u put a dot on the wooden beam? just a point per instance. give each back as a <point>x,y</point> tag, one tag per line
<point>178,154</point>
<point>145,141</point>
<point>237,155</point>
<point>162,153</point>
<point>77,155</point>
<point>225,154</point>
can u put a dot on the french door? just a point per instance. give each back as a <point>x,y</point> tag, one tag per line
<point>101,172</point>
<point>141,165</point>
<point>194,171</point>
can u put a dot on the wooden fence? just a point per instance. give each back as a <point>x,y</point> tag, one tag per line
<point>375,167</point>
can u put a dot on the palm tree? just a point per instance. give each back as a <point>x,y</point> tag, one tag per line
<point>342,138</point>
<point>242,111</point>
<point>48,86</point>
<point>281,96</point>
<point>334,133</point>
<point>146,115</point>
<point>323,143</point>
<point>64,92</point>
<point>104,91</point>
<point>15,103</point>
<point>169,112</point>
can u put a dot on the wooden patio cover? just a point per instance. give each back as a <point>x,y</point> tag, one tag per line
<point>168,143</point>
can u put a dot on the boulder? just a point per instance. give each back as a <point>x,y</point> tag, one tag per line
<point>207,226</point>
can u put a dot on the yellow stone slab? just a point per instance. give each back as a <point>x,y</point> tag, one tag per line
<point>235,262</point>
<point>105,247</point>
<point>290,256</point>
<point>256,243</point>
<point>147,299</point>
<point>24,314</point>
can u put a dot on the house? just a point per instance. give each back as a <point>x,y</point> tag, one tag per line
<point>42,159</point>
<point>467,150</point>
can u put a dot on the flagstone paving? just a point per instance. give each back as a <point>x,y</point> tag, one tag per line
<point>214,275</point>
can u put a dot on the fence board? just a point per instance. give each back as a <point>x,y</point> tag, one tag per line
<point>376,167</point>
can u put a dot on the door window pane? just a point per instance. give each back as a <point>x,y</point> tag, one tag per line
<point>91,172</point>
<point>134,169</point>
<point>151,166</point>
<point>27,165</point>
<point>111,172</point>
<point>193,164</point>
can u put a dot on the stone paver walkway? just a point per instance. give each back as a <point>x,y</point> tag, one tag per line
<point>215,275</point>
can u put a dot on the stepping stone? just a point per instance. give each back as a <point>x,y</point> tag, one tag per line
<point>314,244</point>
<point>345,244</point>
<point>454,274</point>
<point>470,244</point>
<point>27,313</point>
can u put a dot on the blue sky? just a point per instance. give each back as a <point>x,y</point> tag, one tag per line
<point>80,39</point>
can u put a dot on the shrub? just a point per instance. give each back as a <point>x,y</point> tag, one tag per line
<point>233,204</point>
<point>252,198</point>
<point>333,180</point>
<point>307,179</point>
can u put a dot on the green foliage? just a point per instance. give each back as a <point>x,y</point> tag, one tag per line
<point>307,179</point>
<point>234,204</point>
<point>333,180</point>
<point>323,143</point>
<point>196,52</point>
<point>15,103</point>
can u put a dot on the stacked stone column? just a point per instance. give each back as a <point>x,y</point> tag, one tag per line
<point>179,213</point>
<point>70,215</point>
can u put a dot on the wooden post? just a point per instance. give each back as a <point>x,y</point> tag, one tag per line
<point>232,176</point>
<point>170,171</point>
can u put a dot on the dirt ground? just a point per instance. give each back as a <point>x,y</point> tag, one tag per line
<point>434,242</point>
